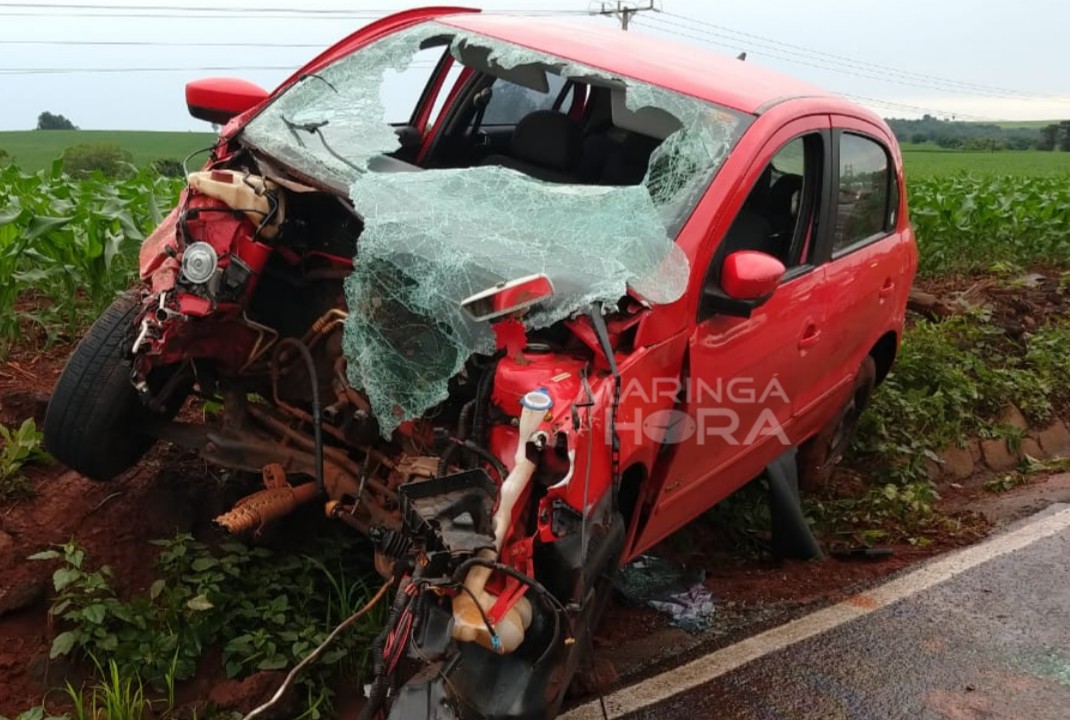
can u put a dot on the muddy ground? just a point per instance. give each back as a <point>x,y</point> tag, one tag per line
<point>175,491</point>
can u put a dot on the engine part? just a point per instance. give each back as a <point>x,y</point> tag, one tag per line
<point>199,263</point>
<point>317,408</point>
<point>470,622</point>
<point>250,194</point>
<point>452,513</point>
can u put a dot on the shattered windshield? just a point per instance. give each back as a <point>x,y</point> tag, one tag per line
<point>432,238</point>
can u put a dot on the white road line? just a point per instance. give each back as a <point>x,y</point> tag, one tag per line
<point>704,669</point>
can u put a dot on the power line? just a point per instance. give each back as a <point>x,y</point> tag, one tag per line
<point>62,71</point>
<point>194,8</point>
<point>205,12</point>
<point>826,57</point>
<point>184,16</point>
<point>151,43</point>
<point>856,72</point>
<point>914,108</point>
<point>419,64</point>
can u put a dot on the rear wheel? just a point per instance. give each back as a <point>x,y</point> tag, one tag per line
<point>94,416</point>
<point>818,456</point>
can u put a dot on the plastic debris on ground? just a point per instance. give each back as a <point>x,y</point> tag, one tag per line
<point>668,588</point>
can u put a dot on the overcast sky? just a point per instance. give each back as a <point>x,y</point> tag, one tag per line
<point>976,59</point>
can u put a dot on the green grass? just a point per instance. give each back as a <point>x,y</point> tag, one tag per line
<point>931,161</point>
<point>36,149</point>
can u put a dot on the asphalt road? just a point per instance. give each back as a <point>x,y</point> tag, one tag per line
<point>980,634</point>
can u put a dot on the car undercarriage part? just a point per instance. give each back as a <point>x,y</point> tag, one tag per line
<point>317,409</point>
<point>253,512</point>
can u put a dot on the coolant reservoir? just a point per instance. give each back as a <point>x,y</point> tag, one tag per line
<point>244,193</point>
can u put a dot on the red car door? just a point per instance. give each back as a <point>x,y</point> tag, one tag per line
<point>864,254</point>
<point>736,411</point>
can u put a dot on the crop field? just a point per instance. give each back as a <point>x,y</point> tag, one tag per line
<point>970,222</point>
<point>36,149</point>
<point>930,161</point>
<point>74,242</point>
<point>68,246</point>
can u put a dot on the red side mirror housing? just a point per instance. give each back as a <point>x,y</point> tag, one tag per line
<point>218,100</point>
<point>751,275</point>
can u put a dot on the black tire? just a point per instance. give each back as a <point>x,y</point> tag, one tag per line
<point>818,456</point>
<point>94,412</point>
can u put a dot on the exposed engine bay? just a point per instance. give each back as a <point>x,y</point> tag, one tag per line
<point>471,508</point>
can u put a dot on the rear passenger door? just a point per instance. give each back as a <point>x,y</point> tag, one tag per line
<point>863,265</point>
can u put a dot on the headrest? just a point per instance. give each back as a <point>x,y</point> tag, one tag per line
<point>548,139</point>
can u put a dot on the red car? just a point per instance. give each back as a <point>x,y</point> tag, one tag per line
<point>517,298</point>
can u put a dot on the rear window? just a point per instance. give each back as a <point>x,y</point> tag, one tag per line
<point>511,102</point>
<point>865,189</point>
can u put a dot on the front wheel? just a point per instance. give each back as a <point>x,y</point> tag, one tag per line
<point>818,456</point>
<point>94,415</point>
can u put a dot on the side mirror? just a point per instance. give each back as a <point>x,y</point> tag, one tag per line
<point>508,297</point>
<point>748,279</point>
<point>218,100</point>
<point>751,275</point>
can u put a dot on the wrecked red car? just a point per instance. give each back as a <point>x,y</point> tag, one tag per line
<point>516,298</point>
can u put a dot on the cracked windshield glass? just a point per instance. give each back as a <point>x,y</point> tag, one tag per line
<point>435,235</point>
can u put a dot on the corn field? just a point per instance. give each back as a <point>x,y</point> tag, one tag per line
<point>68,246</point>
<point>967,223</point>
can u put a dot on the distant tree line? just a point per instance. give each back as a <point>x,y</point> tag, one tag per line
<point>1055,135</point>
<point>48,121</point>
<point>959,135</point>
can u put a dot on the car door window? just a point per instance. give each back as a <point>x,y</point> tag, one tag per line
<point>402,88</point>
<point>777,215</point>
<point>510,102</point>
<point>452,75</point>
<point>867,196</point>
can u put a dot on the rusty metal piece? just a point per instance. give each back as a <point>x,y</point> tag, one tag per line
<point>343,390</point>
<point>274,476</point>
<point>338,511</point>
<point>254,511</point>
<point>251,453</point>
<point>334,455</point>
<point>326,322</point>
<point>259,347</point>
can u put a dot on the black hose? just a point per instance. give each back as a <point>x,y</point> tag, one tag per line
<point>463,419</point>
<point>482,410</point>
<point>317,409</point>
<point>484,453</point>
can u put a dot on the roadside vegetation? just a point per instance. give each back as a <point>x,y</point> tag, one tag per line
<point>69,244</point>
<point>263,609</point>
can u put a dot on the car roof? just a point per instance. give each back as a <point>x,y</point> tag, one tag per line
<point>684,68</point>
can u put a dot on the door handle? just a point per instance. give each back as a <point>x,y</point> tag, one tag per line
<point>887,288</point>
<point>810,337</point>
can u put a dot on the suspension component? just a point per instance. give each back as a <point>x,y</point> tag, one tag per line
<point>260,508</point>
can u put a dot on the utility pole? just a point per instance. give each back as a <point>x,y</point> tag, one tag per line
<point>623,11</point>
